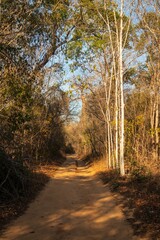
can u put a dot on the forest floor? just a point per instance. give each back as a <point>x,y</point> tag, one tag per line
<point>140,198</point>
<point>74,205</point>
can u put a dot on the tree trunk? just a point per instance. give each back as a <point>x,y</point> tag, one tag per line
<point>122,172</point>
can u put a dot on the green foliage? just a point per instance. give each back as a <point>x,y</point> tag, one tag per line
<point>31,121</point>
<point>140,173</point>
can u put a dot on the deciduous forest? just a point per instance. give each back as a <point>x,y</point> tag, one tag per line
<point>81,77</point>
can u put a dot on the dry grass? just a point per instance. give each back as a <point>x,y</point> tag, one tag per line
<point>138,192</point>
<point>141,200</point>
<point>152,164</point>
<point>99,165</point>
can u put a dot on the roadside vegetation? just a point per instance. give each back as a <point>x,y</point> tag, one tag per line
<point>138,193</point>
<point>33,107</point>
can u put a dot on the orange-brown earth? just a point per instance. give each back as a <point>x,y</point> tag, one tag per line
<point>73,206</point>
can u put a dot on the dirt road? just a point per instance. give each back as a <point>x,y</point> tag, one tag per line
<point>73,206</point>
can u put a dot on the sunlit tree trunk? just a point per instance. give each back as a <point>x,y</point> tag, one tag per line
<point>116,123</point>
<point>157,127</point>
<point>121,91</point>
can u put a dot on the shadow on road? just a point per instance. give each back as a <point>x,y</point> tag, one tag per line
<point>73,206</point>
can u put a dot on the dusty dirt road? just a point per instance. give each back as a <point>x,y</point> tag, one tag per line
<point>73,206</point>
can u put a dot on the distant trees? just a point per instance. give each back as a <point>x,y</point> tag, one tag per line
<point>149,43</point>
<point>106,39</point>
<point>121,110</point>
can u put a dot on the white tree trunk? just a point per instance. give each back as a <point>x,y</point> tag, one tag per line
<point>116,123</point>
<point>122,172</point>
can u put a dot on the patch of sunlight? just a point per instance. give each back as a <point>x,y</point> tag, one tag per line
<point>98,166</point>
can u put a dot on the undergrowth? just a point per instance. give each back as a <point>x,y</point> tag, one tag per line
<point>19,185</point>
<point>140,191</point>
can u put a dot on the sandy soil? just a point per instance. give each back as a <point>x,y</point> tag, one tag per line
<point>73,206</point>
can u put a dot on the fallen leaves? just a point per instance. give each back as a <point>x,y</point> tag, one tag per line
<point>141,197</point>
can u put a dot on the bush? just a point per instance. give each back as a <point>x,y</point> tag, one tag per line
<point>14,177</point>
